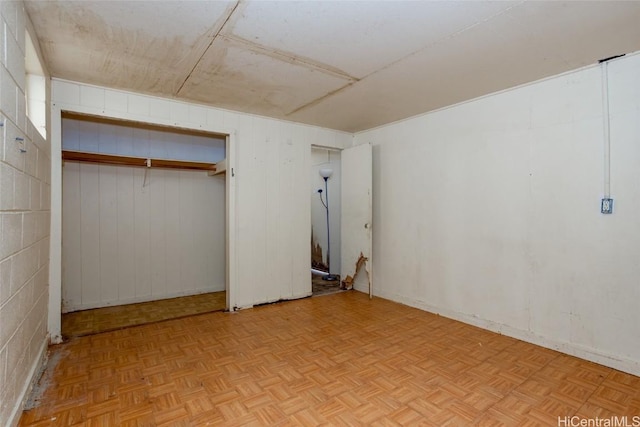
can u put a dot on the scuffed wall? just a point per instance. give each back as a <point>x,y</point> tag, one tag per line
<point>489,212</point>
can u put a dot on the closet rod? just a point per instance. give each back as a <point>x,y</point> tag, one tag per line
<point>78,156</point>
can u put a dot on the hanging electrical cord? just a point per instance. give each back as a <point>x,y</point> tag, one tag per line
<point>321,200</point>
<point>607,132</point>
<point>606,203</point>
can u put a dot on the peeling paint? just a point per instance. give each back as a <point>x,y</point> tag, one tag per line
<point>348,281</point>
<point>317,259</point>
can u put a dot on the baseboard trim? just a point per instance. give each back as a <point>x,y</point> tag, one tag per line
<point>593,355</point>
<point>38,364</point>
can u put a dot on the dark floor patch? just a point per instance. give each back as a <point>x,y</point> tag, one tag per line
<point>324,287</point>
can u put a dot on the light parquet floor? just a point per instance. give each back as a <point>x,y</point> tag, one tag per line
<point>87,322</point>
<point>339,359</point>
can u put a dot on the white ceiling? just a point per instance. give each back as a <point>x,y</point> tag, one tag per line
<point>348,65</point>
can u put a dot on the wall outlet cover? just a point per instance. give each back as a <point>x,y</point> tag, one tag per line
<point>606,206</point>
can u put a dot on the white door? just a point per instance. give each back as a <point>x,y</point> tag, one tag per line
<point>356,216</point>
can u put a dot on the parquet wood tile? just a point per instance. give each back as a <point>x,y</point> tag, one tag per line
<point>339,359</point>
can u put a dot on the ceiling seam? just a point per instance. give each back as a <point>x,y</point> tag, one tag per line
<point>213,39</point>
<point>290,57</point>
<point>322,98</point>
<point>450,36</point>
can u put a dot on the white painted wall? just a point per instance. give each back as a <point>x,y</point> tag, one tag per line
<point>127,139</point>
<point>322,158</point>
<point>271,180</point>
<point>24,223</point>
<point>127,241</point>
<point>488,212</point>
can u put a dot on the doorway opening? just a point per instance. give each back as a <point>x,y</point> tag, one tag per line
<point>326,203</point>
<point>141,242</point>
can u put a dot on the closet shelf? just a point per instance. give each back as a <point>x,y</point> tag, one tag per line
<point>109,159</point>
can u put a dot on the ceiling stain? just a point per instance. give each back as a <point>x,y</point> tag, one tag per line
<point>349,66</point>
<point>229,13</point>
<point>117,55</point>
<point>231,75</point>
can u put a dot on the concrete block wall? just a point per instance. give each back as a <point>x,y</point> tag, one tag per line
<point>24,223</point>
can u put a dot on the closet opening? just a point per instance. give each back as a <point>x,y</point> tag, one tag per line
<point>144,223</point>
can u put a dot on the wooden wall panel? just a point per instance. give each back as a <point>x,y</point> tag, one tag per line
<point>125,243</point>
<point>126,233</point>
<point>108,226</point>
<point>186,204</point>
<point>71,243</point>
<point>141,243</point>
<point>89,235</point>
<point>300,218</point>
<point>172,216</point>
<point>158,236</point>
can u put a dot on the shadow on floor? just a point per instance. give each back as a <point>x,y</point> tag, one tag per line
<point>89,322</point>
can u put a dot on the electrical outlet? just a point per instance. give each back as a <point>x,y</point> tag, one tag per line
<point>606,206</point>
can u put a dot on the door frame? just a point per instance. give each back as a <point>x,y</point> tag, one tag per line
<point>339,243</point>
<point>369,263</point>
<point>55,244</point>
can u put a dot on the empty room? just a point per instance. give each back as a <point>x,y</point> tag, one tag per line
<point>319,213</point>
